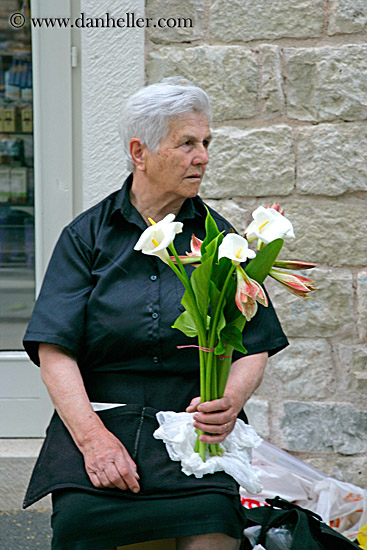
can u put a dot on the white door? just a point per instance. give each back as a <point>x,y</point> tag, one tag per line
<point>36,191</point>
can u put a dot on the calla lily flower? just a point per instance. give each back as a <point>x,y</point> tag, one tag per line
<point>269,224</point>
<point>248,293</point>
<point>296,284</point>
<point>235,248</point>
<point>158,236</point>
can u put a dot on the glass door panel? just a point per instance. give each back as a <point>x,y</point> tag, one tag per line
<point>17,276</point>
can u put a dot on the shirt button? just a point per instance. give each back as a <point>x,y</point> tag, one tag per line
<point>155,360</point>
<point>153,277</point>
<point>155,315</point>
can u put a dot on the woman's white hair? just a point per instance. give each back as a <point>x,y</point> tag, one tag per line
<point>147,113</point>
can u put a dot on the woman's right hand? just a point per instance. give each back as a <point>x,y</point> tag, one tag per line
<point>107,462</point>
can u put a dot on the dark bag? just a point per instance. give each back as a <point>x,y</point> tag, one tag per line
<point>308,531</point>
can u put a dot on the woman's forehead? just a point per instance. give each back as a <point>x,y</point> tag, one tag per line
<point>193,124</point>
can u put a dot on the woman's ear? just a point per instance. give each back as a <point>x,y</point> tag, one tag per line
<point>137,152</point>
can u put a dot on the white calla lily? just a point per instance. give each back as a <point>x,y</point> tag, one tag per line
<point>268,225</point>
<point>235,248</point>
<point>157,237</point>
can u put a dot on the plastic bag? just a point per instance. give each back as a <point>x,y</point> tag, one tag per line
<point>341,505</point>
<point>277,538</point>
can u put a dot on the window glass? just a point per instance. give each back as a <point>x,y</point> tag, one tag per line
<point>17,280</point>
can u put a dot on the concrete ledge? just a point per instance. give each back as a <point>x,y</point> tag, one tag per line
<point>17,458</point>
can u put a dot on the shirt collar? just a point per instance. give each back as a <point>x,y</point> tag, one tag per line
<point>191,207</point>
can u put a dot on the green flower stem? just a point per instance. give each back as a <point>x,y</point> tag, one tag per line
<point>213,333</point>
<point>224,372</point>
<point>182,275</point>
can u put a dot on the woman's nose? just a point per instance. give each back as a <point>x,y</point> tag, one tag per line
<point>201,155</point>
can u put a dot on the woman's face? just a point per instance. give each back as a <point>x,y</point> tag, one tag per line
<point>178,166</point>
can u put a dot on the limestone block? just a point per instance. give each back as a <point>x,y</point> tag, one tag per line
<point>229,74</point>
<point>304,370</point>
<point>347,16</point>
<point>187,20</point>
<point>271,81</point>
<point>248,20</point>
<point>353,367</point>
<point>250,162</point>
<point>332,159</point>
<point>257,411</point>
<point>324,426</point>
<point>330,311</point>
<point>351,469</point>
<point>328,83</point>
<point>362,305</point>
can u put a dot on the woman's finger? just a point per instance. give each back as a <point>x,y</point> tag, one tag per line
<point>221,404</point>
<point>99,479</point>
<point>193,405</point>
<point>132,464</point>
<point>128,474</point>
<point>114,477</point>
<point>215,428</point>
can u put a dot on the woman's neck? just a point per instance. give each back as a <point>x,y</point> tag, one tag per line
<point>153,205</point>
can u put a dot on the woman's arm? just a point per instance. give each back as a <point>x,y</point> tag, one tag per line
<point>107,462</point>
<point>219,416</point>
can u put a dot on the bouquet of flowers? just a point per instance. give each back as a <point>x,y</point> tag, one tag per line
<point>220,297</point>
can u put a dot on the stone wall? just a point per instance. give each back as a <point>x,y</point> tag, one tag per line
<point>288,82</point>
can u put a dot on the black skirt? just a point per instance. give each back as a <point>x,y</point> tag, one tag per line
<point>83,520</point>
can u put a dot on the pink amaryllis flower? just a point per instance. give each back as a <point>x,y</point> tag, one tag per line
<point>195,246</point>
<point>293,264</point>
<point>191,257</point>
<point>296,284</point>
<point>248,293</point>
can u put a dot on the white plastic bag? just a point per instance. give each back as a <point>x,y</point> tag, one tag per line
<point>341,505</point>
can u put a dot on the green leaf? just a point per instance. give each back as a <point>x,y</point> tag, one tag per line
<point>214,295</point>
<point>231,310</point>
<point>259,267</point>
<point>232,336</point>
<point>212,231</point>
<point>220,270</point>
<point>186,324</point>
<point>200,279</point>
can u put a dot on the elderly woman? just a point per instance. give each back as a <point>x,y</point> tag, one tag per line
<point>101,333</point>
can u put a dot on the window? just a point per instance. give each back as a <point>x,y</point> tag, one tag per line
<point>17,242</point>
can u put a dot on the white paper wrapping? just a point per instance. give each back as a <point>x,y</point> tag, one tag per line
<point>178,433</point>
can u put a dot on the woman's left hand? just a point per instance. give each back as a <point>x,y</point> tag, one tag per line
<point>216,418</point>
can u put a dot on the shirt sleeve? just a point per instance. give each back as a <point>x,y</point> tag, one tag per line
<point>59,313</point>
<point>263,333</point>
